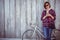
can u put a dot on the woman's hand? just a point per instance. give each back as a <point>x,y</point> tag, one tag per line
<point>50,15</point>
<point>44,16</point>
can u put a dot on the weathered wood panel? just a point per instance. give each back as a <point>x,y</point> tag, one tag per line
<point>7,18</point>
<point>20,14</point>
<point>16,15</point>
<point>18,18</point>
<point>52,3</point>
<point>2,18</point>
<point>10,18</point>
<point>57,14</point>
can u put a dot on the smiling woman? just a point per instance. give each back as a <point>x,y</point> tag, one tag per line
<point>48,20</point>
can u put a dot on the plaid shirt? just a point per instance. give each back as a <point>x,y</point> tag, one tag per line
<point>48,21</point>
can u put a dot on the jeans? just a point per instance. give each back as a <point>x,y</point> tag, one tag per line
<point>47,33</point>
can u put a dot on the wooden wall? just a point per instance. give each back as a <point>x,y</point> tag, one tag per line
<point>16,15</point>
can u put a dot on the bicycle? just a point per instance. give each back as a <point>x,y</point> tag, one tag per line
<point>36,33</point>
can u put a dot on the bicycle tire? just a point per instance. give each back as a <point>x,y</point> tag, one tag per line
<point>29,36</point>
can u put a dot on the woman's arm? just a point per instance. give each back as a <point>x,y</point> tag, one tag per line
<point>44,16</point>
<point>52,14</point>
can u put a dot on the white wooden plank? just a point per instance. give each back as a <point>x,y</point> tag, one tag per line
<point>6,18</point>
<point>28,14</point>
<point>39,10</point>
<point>46,0</point>
<point>1,18</point>
<point>52,3</point>
<point>18,18</point>
<point>23,17</point>
<point>57,14</point>
<point>12,17</point>
<point>34,11</point>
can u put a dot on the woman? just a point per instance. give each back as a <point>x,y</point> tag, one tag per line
<point>48,20</point>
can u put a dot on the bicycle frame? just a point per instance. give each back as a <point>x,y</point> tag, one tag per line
<point>36,28</point>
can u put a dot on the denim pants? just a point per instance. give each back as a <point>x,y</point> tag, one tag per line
<point>47,33</point>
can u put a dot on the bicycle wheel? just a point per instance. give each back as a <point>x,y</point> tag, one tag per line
<point>30,35</point>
